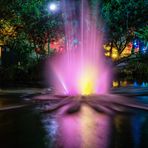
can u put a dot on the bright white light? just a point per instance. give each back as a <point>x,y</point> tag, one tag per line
<point>52,7</point>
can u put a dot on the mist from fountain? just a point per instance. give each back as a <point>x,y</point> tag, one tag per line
<point>81,68</point>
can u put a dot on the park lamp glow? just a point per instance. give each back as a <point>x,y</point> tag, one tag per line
<point>144,49</point>
<point>52,7</point>
<point>135,43</point>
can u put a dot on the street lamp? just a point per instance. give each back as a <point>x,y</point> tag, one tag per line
<point>52,7</point>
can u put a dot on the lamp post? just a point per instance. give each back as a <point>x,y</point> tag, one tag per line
<point>52,8</point>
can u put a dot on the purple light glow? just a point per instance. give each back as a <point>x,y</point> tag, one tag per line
<point>81,69</point>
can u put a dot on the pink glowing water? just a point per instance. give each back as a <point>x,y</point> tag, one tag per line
<point>81,68</point>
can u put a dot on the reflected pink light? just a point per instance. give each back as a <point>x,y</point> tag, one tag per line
<point>69,132</point>
<point>95,128</point>
<point>87,129</point>
<point>81,69</point>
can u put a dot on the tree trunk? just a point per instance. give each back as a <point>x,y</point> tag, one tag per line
<point>48,45</point>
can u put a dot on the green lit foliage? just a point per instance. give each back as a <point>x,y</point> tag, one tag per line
<point>25,26</point>
<point>40,25</point>
<point>32,18</point>
<point>142,33</point>
<point>122,18</point>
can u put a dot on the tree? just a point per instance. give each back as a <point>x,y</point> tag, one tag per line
<point>25,26</point>
<point>142,33</point>
<point>122,19</point>
<point>40,25</point>
<point>32,18</point>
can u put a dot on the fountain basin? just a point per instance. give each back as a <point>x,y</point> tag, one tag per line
<point>107,103</point>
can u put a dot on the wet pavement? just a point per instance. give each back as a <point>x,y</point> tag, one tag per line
<point>49,121</point>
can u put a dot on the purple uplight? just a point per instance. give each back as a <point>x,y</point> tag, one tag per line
<point>81,69</point>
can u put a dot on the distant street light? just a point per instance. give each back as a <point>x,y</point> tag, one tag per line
<point>52,7</point>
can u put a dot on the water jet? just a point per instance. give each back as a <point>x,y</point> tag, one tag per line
<point>81,68</point>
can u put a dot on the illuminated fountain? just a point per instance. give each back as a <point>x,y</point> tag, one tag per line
<point>83,109</point>
<point>81,69</point>
<point>80,75</point>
